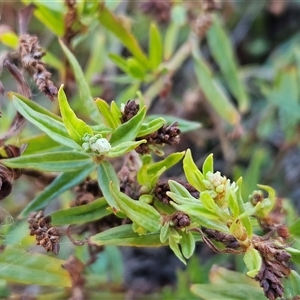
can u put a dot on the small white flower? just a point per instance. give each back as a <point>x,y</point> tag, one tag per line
<point>96,144</point>
<point>100,146</point>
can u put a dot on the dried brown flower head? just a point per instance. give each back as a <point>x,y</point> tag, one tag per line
<point>275,266</point>
<point>130,110</point>
<point>181,220</point>
<point>167,134</point>
<point>46,235</point>
<point>30,54</point>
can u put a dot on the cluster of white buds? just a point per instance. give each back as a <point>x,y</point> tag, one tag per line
<point>217,185</point>
<point>96,143</point>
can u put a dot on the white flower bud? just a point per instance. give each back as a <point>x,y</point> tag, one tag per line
<point>100,146</point>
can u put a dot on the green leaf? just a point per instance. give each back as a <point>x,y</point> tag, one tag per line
<point>155,46</point>
<point>38,143</point>
<point>295,253</point>
<point>96,63</point>
<point>62,183</point>
<point>210,223</point>
<point>119,61</point>
<point>271,198</point>
<point>295,228</point>
<point>81,214</point>
<point>253,261</point>
<point>233,291</point>
<point>124,148</point>
<point>180,190</point>
<point>184,125</point>
<point>47,124</point>
<point>107,114</point>
<point>51,16</point>
<point>295,281</point>
<point>23,266</point>
<point>171,38</point>
<point>9,38</point>
<point>151,126</point>
<point>168,162</point>
<point>34,106</point>
<point>59,161</point>
<point>187,244</point>
<point>144,215</point>
<point>117,27</point>
<point>208,165</point>
<point>75,126</point>
<point>233,204</point>
<point>193,209</point>
<point>135,69</point>
<point>128,130</point>
<point>175,248</point>
<point>223,52</point>
<point>125,236</point>
<point>164,232</point>
<point>106,175</point>
<point>84,90</point>
<point>192,173</point>
<point>210,204</point>
<point>214,92</point>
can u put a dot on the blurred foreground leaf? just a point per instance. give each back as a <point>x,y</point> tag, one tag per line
<point>32,268</point>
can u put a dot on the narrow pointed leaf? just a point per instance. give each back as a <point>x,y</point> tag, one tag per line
<point>168,162</point>
<point>151,126</point>
<point>62,183</point>
<point>75,126</point>
<point>125,236</point>
<point>164,232</point>
<point>135,69</point>
<point>175,248</point>
<point>106,113</point>
<point>107,174</point>
<point>23,266</point>
<point>187,244</point>
<point>60,161</point>
<point>140,213</point>
<point>208,165</point>
<point>179,189</point>
<point>155,46</point>
<point>214,92</point>
<point>234,291</point>
<point>117,27</point>
<point>119,61</point>
<point>38,144</point>
<point>192,173</point>
<point>52,127</point>
<point>129,130</point>
<point>83,87</point>
<point>222,51</point>
<point>35,106</point>
<point>124,148</point>
<point>81,214</point>
<point>253,261</point>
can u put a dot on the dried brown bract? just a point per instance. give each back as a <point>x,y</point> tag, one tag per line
<point>275,266</point>
<point>130,110</point>
<point>167,134</point>
<point>30,54</point>
<point>46,235</point>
